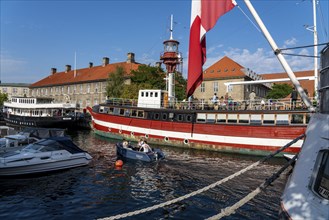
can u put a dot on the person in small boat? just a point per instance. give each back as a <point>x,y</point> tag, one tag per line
<point>140,143</point>
<point>145,148</point>
<point>125,143</point>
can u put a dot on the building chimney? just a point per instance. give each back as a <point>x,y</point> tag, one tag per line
<point>67,68</point>
<point>158,64</point>
<point>106,61</point>
<point>91,64</point>
<point>130,58</point>
<point>53,71</point>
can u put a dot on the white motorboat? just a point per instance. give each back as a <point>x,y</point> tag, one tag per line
<point>27,136</point>
<point>306,195</point>
<point>45,155</point>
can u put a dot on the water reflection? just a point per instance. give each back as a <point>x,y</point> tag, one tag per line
<point>102,190</point>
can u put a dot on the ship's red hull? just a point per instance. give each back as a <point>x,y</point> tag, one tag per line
<point>250,139</point>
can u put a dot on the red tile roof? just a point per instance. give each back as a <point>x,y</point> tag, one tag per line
<point>224,68</point>
<point>306,84</point>
<point>97,73</point>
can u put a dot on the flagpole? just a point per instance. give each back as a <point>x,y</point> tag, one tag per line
<point>75,64</point>
<point>281,58</point>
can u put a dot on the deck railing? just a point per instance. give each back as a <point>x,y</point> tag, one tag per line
<point>257,104</point>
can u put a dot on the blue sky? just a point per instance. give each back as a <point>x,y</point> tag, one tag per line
<point>36,36</point>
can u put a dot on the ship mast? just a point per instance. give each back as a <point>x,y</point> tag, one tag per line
<point>315,35</point>
<point>171,58</point>
<point>280,57</point>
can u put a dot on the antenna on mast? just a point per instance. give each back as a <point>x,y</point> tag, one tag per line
<point>171,26</point>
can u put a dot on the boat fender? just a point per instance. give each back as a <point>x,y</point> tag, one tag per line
<point>120,131</point>
<point>119,163</point>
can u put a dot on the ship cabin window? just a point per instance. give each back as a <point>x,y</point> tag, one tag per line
<point>110,111</point>
<point>155,94</point>
<point>127,112</point>
<point>282,119</point>
<point>171,115</point>
<point>189,118</point>
<point>180,117</point>
<point>255,119</point>
<point>244,119</point>
<point>151,94</point>
<point>106,109</point>
<point>134,113</point>
<point>268,119</point>
<point>142,94</point>
<point>201,118</point>
<point>297,119</point>
<point>232,118</point>
<point>140,114</point>
<point>321,184</point>
<point>116,111</point>
<point>156,116</point>
<point>211,118</point>
<point>164,116</point>
<point>122,111</point>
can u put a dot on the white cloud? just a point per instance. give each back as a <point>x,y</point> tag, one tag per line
<point>290,42</point>
<point>11,68</point>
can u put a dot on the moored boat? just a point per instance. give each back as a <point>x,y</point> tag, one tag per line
<point>239,131</point>
<point>306,195</point>
<point>39,112</point>
<point>51,154</point>
<point>131,152</point>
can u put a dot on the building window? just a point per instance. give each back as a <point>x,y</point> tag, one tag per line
<point>95,101</point>
<point>81,89</point>
<point>4,90</point>
<point>62,89</point>
<point>88,88</point>
<point>215,85</point>
<point>51,91</point>
<point>25,91</point>
<point>74,89</point>
<point>46,91</point>
<point>68,89</point>
<point>203,87</point>
<point>14,90</point>
<point>88,102</point>
<point>37,92</point>
<point>96,87</point>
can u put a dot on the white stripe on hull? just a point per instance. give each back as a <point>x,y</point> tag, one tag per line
<point>202,137</point>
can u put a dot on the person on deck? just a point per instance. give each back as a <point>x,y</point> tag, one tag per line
<point>294,97</point>
<point>252,97</point>
<point>145,148</point>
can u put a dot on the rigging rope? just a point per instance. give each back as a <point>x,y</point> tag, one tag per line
<point>137,212</point>
<point>231,210</point>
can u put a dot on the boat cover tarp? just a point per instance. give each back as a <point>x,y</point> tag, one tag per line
<point>65,142</point>
<point>44,132</point>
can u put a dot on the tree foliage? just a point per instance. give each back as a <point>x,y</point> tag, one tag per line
<point>279,91</point>
<point>3,98</point>
<point>145,77</point>
<point>115,83</point>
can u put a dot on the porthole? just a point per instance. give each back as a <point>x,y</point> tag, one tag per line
<point>132,133</point>
<point>146,136</point>
<point>186,141</point>
<point>166,139</point>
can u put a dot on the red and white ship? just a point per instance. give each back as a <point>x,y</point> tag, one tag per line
<point>157,119</point>
<point>241,131</point>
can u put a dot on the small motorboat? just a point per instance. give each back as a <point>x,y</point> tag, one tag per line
<point>27,136</point>
<point>131,152</point>
<point>45,155</point>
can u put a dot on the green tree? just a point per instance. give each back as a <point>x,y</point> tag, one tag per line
<point>279,91</point>
<point>3,98</point>
<point>150,75</point>
<point>115,83</point>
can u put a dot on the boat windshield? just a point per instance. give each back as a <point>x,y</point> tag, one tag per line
<point>4,142</point>
<point>43,146</point>
<point>321,185</point>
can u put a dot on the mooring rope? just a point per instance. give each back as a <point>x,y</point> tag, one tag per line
<point>137,212</point>
<point>231,210</point>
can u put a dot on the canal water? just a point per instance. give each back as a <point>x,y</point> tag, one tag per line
<point>102,190</point>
